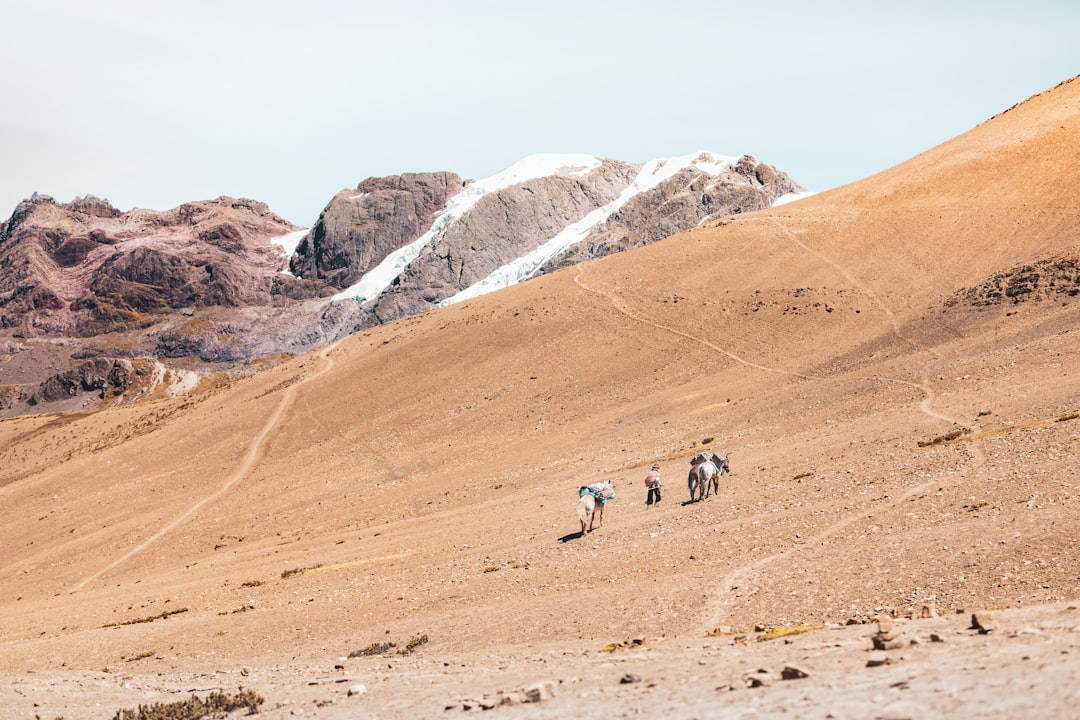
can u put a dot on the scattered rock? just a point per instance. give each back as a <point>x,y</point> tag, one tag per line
<point>761,678</point>
<point>793,672</point>
<point>983,622</point>
<point>882,644</point>
<point>629,678</point>
<point>541,691</point>
<point>878,659</point>
<point>927,611</point>
<point>358,689</point>
<point>888,637</point>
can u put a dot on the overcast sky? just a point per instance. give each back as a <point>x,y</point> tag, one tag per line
<point>154,104</point>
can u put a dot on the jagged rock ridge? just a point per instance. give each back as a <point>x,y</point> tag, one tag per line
<point>202,283</point>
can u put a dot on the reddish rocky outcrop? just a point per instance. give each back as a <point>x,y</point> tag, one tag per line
<point>202,281</point>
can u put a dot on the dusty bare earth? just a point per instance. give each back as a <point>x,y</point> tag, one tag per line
<point>902,430</point>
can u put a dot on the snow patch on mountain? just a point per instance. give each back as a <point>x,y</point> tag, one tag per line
<point>791,197</point>
<point>535,166</point>
<point>288,242</point>
<point>650,176</point>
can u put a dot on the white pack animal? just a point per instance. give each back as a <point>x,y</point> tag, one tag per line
<point>705,471</point>
<point>590,506</point>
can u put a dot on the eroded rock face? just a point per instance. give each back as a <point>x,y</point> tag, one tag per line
<point>500,228</point>
<point>90,376</point>
<point>360,227</point>
<point>84,268</point>
<point>201,278</point>
<point>685,201</point>
<point>512,222</point>
<point>1048,279</point>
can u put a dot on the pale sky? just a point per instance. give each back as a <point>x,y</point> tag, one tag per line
<point>154,104</point>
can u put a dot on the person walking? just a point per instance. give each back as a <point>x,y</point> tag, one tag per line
<point>652,481</point>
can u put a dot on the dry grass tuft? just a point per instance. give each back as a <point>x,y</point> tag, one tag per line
<point>162,616</point>
<point>947,437</point>
<point>784,631</point>
<point>216,705</point>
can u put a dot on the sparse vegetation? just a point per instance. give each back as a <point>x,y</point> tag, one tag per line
<point>706,441</point>
<point>298,571</point>
<point>785,630</point>
<point>612,647</point>
<point>375,648</point>
<point>161,616</point>
<point>385,648</point>
<point>216,705</point>
<point>251,583</point>
<point>975,507</point>
<point>1070,416</point>
<point>802,475</point>
<point>141,656</point>
<point>413,644</point>
<point>947,437</point>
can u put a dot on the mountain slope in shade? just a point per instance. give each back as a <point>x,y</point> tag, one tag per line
<point>899,439</point>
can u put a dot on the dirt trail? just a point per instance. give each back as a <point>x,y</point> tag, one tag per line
<point>719,607</point>
<point>721,603</point>
<point>621,307</point>
<point>241,471</point>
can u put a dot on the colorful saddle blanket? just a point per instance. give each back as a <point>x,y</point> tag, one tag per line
<point>601,491</point>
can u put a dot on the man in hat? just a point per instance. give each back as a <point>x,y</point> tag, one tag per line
<point>652,481</point>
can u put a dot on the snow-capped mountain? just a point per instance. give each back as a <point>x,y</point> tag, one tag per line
<point>544,212</point>
<point>215,283</point>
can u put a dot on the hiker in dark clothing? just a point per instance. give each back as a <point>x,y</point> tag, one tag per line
<point>652,481</point>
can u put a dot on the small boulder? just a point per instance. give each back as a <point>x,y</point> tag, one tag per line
<point>761,678</point>
<point>878,659</point>
<point>538,692</point>
<point>793,672</point>
<point>983,622</point>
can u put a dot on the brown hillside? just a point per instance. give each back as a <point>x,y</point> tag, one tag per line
<point>420,478</point>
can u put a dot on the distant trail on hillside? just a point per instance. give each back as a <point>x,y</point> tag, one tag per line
<point>851,279</point>
<point>618,305</point>
<point>720,606</point>
<point>924,406</point>
<point>241,471</point>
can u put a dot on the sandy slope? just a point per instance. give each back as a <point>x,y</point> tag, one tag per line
<point>419,479</point>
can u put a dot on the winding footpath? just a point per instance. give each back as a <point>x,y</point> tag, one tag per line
<point>719,607</point>
<point>250,459</point>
